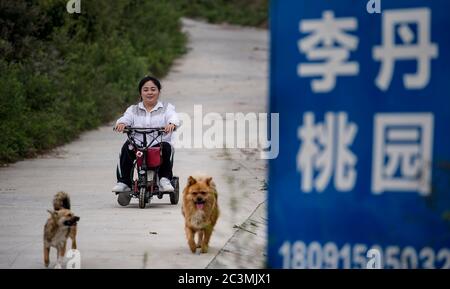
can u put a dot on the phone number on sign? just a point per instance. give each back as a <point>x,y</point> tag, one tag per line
<point>298,255</point>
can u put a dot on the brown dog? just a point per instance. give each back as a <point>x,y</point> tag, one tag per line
<point>200,210</point>
<point>61,225</point>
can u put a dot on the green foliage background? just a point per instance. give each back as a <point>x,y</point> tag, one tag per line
<point>61,73</point>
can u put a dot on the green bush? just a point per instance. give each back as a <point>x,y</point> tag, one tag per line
<point>62,74</point>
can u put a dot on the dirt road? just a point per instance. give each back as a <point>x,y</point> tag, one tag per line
<point>225,70</point>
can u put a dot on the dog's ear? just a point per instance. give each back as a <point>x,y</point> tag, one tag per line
<point>208,181</point>
<point>191,181</point>
<point>52,213</point>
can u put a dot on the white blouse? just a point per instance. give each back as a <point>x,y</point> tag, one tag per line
<point>161,115</point>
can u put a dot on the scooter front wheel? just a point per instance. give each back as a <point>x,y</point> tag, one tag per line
<point>142,192</point>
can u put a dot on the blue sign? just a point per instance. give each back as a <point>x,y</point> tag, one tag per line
<point>362,179</point>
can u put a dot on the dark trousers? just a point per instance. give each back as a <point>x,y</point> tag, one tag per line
<point>128,156</point>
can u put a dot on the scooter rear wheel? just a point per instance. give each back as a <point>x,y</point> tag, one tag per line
<point>123,199</point>
<point>175,195</point>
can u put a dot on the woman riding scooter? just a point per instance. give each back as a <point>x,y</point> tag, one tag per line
<point>149,112</point>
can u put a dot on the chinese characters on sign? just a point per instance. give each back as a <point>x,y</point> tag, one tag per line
<point>402,144</point>
<point>402,152</point>
<point>318,152</point>
<point>406,141</point>
<point>422,52</point>
<point>329,31</point>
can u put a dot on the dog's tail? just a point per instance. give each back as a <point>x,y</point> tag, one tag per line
<point>61,201</point>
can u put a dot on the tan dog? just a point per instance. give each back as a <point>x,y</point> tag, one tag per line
<point>200,210</point>
<point>61,225</point>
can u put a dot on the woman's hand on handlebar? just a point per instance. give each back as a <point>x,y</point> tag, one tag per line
<point>120,127</point>
<point>170,128</point>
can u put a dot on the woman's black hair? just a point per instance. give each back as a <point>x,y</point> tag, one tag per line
<point>149,78</point>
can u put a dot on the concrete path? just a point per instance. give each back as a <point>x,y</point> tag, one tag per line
<point>225,70</point>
